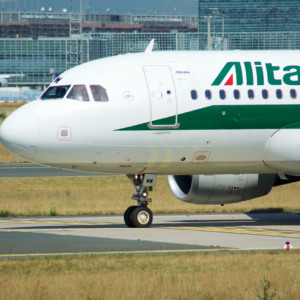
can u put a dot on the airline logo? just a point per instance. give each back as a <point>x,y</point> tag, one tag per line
<point>257,73</point>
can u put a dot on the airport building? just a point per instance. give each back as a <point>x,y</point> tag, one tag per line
<point>39,46</point>
<point>250,24</point>
<point>249,15</point>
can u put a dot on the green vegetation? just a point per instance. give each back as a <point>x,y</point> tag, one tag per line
<point>53,211</point>
<point>267,294</point>
<point>4,213</point>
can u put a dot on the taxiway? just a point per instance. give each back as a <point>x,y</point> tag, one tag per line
<point>43,236</point>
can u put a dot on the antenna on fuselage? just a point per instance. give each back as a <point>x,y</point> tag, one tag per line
<point>150,46</point>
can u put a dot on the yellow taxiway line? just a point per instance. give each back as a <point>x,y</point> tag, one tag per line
<point>249,230</point>
<point>244,230</point>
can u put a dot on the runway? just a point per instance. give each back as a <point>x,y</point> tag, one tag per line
<point>47,236</point>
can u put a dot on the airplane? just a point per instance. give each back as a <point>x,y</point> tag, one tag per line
<point>224,126</point>
<point>3,78</point>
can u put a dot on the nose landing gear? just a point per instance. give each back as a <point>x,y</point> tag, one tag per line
<point>140,216</point>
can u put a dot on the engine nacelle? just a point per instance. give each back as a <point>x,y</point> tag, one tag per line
<point>282,150</point>
<point>3,82</point>
<point>220,189</point>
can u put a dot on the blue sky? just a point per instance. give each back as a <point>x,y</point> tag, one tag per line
<point>169,7</point>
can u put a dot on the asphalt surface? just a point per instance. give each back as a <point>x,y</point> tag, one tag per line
<point>46,236</point>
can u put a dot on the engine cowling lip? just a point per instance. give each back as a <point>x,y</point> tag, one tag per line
<point>281,150</point>
<point>175,188</point>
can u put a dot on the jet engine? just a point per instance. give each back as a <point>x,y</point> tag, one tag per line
<point>220,189</point>
<point>3,82</point>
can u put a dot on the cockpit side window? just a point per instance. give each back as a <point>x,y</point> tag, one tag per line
<point>78,92</point>
<point>99,93</point>
<point>55,92</point>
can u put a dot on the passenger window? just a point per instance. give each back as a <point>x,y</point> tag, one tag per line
<point>55,92</point>
<point>279,94</point>
<point>208,95</point>
<point>99,93</point>
<point>293,93</point>
<point>265,94</point>
<point>250,94</point>
<point>236,94</point>
<point>222,94</point>
<point>194,94</point>
<point>78,92</point>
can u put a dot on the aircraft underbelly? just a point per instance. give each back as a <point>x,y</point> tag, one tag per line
<point>174,152</point>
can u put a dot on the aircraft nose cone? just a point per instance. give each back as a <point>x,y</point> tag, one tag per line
<point>19,133</point>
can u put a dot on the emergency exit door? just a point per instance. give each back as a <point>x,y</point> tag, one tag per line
<point>162,95</point>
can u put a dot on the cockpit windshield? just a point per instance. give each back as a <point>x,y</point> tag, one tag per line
<point>99,93</point>
<point>55,92</point>
<point>78,92</point>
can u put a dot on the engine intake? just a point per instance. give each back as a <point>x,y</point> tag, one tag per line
<point>220,189</point>
<point>3,82</point>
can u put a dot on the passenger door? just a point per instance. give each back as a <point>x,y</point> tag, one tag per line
<point>162,95</point>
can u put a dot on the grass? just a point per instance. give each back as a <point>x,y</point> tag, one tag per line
<point>185,276</point>
<point>8,108</point>
<point>6,157</point>
<point>53,211</point>
<point>4,213</point>
<point>112,195</point>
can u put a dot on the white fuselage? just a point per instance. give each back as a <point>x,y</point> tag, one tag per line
<point>165,115</point>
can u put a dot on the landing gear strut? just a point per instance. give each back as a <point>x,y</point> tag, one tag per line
<point>140,215</point>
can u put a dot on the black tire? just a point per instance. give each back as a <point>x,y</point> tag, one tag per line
<point>141,217</point>
<point>127,215</point>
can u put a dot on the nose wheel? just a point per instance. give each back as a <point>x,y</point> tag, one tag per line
<point>140,216</point>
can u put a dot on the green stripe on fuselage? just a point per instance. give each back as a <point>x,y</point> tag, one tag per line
<point>224,117</point>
